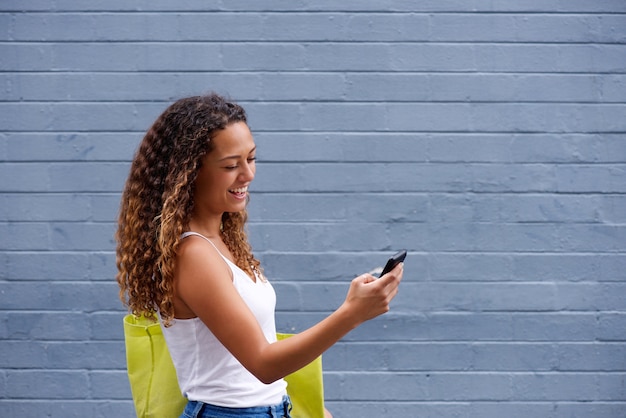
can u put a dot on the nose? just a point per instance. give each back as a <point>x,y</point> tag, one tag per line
<point>247,172</point>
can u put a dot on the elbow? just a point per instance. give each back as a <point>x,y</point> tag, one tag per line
<point>266,377</point>
<point>267,380</point>
<point>265,367</point>
<point>264,374</point>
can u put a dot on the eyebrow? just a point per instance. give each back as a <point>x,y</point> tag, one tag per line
<point>232,157</point>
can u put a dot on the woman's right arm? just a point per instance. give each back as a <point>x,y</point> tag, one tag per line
<point>204,284</point>
<point>367,298</point>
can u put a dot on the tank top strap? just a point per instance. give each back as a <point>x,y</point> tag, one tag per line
<point>190,233</point>
<point>229,263</point>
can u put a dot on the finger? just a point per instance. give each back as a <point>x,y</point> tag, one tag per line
<point>368,278</point>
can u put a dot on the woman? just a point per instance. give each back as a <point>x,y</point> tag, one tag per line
<point>183,253</point>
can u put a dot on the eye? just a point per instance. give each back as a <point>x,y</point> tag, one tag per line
<point>251,159</point>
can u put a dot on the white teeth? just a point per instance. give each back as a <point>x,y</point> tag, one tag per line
<point>239,190</point>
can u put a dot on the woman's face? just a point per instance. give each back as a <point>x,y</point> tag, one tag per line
<point>226,172</point>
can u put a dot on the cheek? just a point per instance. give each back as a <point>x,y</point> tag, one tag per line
<point>209,181</point>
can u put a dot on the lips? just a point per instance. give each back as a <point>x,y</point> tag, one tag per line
<point>240,192</point>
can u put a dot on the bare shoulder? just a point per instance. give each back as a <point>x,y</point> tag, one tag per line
<point>198,256</point>
<point>199,267</point>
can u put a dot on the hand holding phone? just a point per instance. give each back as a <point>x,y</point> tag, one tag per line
<point>393,261</point>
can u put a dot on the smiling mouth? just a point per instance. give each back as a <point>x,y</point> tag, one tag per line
<point>239,192</point>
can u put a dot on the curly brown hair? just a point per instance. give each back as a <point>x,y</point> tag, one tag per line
<point>158,199</point>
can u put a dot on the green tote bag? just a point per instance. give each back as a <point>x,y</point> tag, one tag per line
<point>155,389</point>
<point>151,373</point>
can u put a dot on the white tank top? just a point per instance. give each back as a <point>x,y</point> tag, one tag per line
<point>206,370</point>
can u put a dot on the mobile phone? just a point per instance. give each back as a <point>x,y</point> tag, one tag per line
<point>393,261</point>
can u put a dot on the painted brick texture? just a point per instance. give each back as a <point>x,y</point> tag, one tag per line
<point>488,138</point>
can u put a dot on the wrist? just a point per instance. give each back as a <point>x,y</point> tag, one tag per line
<point>346,316</point>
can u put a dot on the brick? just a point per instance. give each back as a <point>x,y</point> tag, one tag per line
<point>109,385</point>
<point>613,209</point>
<point>68,355</point>
<point>47,384</point>
<point>341,146</point>
<point>78,236</point>
<point>592,148</point>
<point>611,326</point>
<point>526,267</point>
<point>555,326</point>
<point>4,331</point>
<point>514,208</point>
<point>590,296</point>
<point>141,86</point>
<point>27,116</point>
<point>47,265</point>
<point>60,236</point>
<point>313,237</point>
<point>357,357</point>
<point>589,409</point>
<point>448,296</point>
<point>339,207</point>
<point>85,56</point>
<point>104,207</point>
<point>78,146</point>
<point>551,386</point>
<point>89,355</point>
<point>59,296</point>
<point>575,208</point>
<point>102,265</point>
<point>573,267</point>
<point>420,386</point>
<point>34,236</point>
<point>513,356</point>
<point>69,408</point>
<point>45,207</point>
<point>481,87</point>
<point>591,356</point>
<point>545,409</point>
<point>108,325</point>
<point>512,237</point>
<point>591,179</point>
<point>21,355</point>
<point>506,117</point>
<point>47,326</point>
<point>469,267</point>
<point>438,326</point>
<point>522,27</point>
<point>15,177</point>
<point>398,356</point>
<point>402,387</point>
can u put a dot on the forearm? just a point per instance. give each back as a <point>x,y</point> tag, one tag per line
<point>367,298</point>
<point>286,356</point>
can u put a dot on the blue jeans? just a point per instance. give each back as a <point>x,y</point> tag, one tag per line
<point>196,409</point>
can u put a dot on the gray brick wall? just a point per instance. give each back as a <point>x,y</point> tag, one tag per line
<point>488,138</point>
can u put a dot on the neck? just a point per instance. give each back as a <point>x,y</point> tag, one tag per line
<point>207,226</point>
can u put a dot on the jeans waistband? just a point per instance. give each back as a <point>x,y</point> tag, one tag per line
<point>197,409</point>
